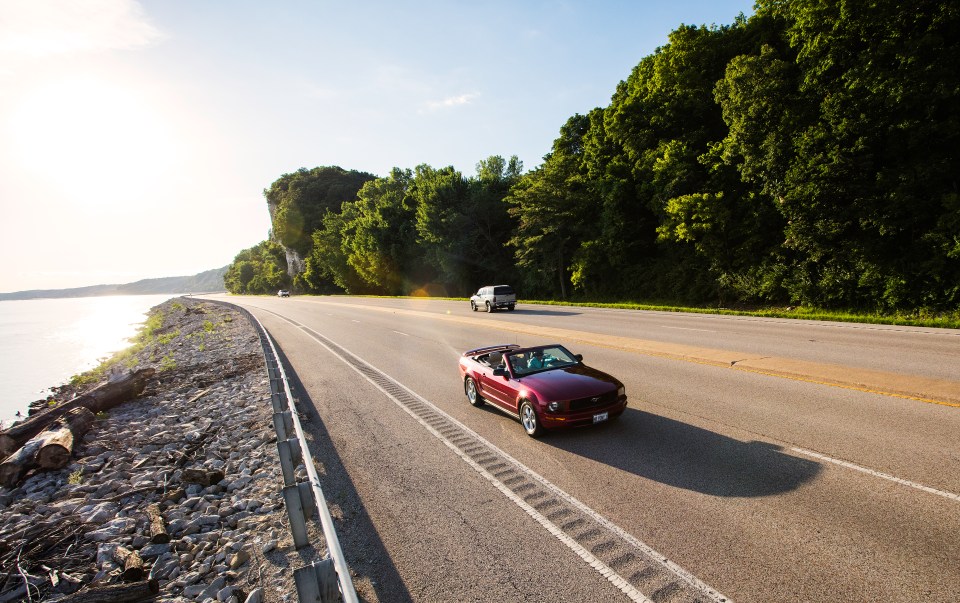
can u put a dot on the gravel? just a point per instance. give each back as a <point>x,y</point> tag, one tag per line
<point>208,409</point>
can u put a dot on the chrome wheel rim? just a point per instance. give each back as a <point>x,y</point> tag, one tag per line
<point>471,391</point>
<point>528,418</point>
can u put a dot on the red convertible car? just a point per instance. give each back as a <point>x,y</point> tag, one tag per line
<point>546,387</point>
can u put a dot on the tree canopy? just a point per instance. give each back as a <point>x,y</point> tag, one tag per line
<point>808,154</point>
<point>260,269</point>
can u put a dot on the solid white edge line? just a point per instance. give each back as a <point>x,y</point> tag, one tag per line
<point>604,570</point>
<point>880,474</point>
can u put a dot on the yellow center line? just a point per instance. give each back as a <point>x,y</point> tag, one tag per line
<point>909,387</point>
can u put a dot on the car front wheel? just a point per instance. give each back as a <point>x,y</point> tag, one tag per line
<point>470,387</point>
<point>530,421</point>
<point>473,305</point>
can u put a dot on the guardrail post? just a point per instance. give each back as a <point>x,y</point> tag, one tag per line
<point>298,524</point>
<point>307,499</point>
<point>317,582</point>
<point>287,462</point>
<point>283,423</point>
<point>279,401</point>
<point>308,590</point>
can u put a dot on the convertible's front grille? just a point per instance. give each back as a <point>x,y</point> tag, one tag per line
<point>592,401</point>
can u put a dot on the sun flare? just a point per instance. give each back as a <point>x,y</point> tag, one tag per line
<point>97,139</point>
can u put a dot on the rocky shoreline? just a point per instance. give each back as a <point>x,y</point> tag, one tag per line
<point>207,412</point>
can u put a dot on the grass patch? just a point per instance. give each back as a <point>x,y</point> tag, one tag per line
<point>150,332</point>
<point>945,320</point>
<point>167,363</point>
<point>168,337</point>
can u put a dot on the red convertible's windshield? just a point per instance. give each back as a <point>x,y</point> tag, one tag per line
<point>535,360</point>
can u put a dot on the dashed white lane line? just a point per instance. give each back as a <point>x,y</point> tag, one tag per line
<point>401,333</point>
<point>880,474</point>
<point>688,329</point>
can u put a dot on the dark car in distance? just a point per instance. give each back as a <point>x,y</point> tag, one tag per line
<point>545,387</point>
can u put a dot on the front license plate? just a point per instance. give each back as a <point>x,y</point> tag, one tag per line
<point>599,417</point>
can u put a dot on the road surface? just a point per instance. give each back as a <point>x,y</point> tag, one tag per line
<point>758,459</point>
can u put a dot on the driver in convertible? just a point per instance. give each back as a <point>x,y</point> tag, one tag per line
<point>536,360</point>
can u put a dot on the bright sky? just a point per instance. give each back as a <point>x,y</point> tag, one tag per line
<point>136,138</point>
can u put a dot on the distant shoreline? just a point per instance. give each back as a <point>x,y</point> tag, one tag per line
<point>209,281</point>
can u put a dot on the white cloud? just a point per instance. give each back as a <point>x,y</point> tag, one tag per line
<point>32,29</point>
<point>451,101</point>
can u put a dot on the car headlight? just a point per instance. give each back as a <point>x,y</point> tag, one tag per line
<point>553,406</point>
<point>621,391</point>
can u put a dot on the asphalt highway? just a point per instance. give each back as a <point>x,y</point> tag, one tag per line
<point>758,460</point>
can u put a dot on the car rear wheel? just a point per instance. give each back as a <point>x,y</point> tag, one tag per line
<point>529,420</point>
<point>511,307</point>
<point>470,388</point>
<point>473,305</point>
<point>489,307</point>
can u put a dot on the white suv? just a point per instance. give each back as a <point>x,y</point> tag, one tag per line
<point>494,297</point>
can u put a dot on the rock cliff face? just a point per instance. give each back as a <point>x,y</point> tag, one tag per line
<point>295,263</point>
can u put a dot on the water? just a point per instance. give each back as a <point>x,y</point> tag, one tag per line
<point>44,342</point>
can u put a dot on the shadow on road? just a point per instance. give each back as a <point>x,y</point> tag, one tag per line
<point>688,457</point>
<point>361,544</point>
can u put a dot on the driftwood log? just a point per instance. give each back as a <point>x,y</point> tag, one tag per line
<point>158,529</point>
<point>132,564</point>
<point>118,593</point>
<point>101,398</point>
<point>57,440</point>
<point>204,477</point>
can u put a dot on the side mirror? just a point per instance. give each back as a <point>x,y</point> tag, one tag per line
<point>579,357</point>
<point>500,372</point>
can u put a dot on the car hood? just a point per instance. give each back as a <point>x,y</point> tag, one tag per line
<point>569,383</point>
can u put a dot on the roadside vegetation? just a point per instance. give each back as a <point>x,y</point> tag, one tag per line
<point>945,320</point>
<point>800,162</point>
<point>152,332</point>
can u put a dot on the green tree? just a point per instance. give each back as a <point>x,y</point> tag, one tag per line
<point>383,235</point>
<point>442,198</point>
<point>666,182</point>
<point>299,200</point>
<point>871,185</point>
<point>489,225</point>
<point>259,269</point>
<point>553,207</point>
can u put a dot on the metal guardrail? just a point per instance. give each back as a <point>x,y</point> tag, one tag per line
<point>325,580</point>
